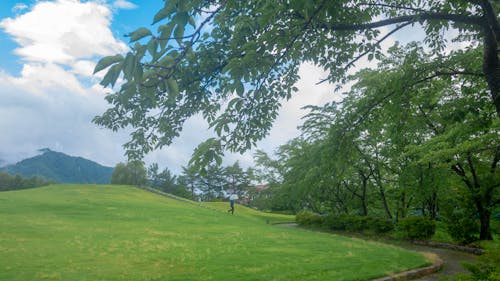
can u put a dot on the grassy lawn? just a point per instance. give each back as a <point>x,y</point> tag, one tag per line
<point>97,232</point>
<point>249,213</point>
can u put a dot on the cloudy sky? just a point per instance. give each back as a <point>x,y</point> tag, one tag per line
<point>48,95</point>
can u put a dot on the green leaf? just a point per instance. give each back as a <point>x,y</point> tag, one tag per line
<point>182,18</point>
<point>161,15</point>
<point>152,47</point>
<point>129,66</point>
<point>139,34</point>
<point>240,89</point>
<point>179,33</point>
<point>138,72</point>
<point>173,88</point>
<point>192,22</point>
<point>233,102</point>
<point>107,61</point>
<point>112,75</point>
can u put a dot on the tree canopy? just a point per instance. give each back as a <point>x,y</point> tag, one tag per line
<point>234,62</point>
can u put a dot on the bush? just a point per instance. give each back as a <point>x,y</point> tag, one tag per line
<point>487,268</point>
<point>462,228</point>
<point>379,225</point>
<point>334,222</point>
<point>308,219</point>
<point>419,228</point>
<point>358,224</point>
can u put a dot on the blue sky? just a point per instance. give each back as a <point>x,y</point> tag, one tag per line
<point>48,95</point>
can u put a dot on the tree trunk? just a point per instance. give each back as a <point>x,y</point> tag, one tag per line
<point>491,61</point>
<point>363,199</point>
<point>484,217</point>
<point>384,201</point>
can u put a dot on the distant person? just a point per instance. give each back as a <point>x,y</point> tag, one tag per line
<point>232,197</point>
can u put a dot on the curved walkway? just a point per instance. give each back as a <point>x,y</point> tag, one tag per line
<point>452,261</point>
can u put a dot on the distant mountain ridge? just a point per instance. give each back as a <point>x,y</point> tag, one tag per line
<point>61,168</point>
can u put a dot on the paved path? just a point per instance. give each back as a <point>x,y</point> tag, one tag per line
<point>452,261</point>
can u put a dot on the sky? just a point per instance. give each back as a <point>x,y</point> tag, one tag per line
<point>48,95</point>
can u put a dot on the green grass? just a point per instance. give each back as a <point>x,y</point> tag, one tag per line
<point>91,232</point>
<point>249,213</point>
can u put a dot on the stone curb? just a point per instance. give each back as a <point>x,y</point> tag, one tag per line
<point>414,273</point>
<point>474,251</point>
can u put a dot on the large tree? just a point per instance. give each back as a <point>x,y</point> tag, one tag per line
<point>414,134</point>
<point>235,61</point>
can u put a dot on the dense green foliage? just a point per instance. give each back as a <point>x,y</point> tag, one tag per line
<point>233,62</point>
<point>462,226</point>
<point>130,173</point>
<point>92,232</point>
<point>419,228</point>
<point>487,268</point>
<point>361,224</point>
<point>10,182</point>
<point>59,167</point>
<point>167,182</point>
<point>215,182</point>
<point>403,142</point>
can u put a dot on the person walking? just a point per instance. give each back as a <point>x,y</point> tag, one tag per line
<point>232,197</point>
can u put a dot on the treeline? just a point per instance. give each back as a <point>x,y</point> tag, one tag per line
<point>11,182</point>
<point>213,182</point>
<point>411,138</point>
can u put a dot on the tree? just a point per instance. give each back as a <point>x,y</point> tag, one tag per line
<point>131,173</point>
<point>237,180</point>
<point>249,52</point>
<point>166,181</point>
<point>412,128</point>
<point>188,178</point>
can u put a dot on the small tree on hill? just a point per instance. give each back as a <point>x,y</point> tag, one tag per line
<point>131,173</point>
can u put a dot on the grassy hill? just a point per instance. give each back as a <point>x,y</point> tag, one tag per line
<point>61,168</point>
<point>102,232</point>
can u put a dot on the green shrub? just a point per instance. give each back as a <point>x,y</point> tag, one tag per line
<point>334,222</point>
<point>308,219</point>
<point>486,268</point>
<point>379,225</point>
<point>357,224</point>
<point>462,228</point>
<point>420,228</point>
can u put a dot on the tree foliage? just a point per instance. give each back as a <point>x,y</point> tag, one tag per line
<point>403,142</point>
<point>17,182</point>
<point>233,62</point>
<point>130,173</point>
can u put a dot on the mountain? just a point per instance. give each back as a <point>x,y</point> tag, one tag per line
<point>61,168</point>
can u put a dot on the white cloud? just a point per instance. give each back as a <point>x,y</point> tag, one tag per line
<point>63,31</point>
<point>53,100</point>
<point>123,4</point>
<point>19,7</point>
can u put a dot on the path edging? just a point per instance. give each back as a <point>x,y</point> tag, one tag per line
<point>415,273</point>
<point>470,250</point>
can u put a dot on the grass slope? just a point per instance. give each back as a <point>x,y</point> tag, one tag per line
<point>98,232</point>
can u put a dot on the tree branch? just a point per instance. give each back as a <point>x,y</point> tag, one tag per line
<point>408,18</point>
<point>392,6</point>
<point>370,49</point>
